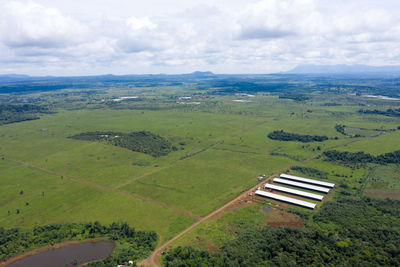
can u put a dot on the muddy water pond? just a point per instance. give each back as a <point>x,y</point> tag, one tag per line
<point>70,255</point>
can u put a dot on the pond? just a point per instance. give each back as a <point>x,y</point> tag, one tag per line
<point>70,255</point>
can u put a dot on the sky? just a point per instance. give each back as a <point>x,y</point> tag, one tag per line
<point>91,37</point>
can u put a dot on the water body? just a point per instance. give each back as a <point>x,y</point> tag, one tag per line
<point>71,255</point>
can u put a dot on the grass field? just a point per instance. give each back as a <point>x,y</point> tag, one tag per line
<point>222,147</point>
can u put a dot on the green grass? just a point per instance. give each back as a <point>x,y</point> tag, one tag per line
<point>385,177</point>
<point>215,232</point>
<point>65,200</point>
<point>385,143</point>
<point>223,144</point>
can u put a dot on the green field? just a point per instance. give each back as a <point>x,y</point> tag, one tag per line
<point>222,147</point>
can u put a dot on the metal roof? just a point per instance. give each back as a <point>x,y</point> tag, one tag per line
<point>301,185</point>
<point>294,191</point>
<point>286,199</point>
<point>306,180</point>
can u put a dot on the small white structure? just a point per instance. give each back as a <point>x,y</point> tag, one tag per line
<point>306,180</point>
<point>286,199</point>
<point>302,185</point>
<point>293,191</point>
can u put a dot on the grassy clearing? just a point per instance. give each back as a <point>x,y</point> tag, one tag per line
<point>385,177</point>
<point>215,232</point>
<point>384,143</point>
<point>48,198</point>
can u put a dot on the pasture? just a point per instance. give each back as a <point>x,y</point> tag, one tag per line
<point>222,147</point>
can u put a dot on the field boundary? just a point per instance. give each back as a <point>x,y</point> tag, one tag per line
<point>153,259</point>
<point>104,188</point>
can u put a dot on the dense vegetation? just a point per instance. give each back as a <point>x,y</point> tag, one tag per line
<point>310,171</point>
<point>370,238</point>
<point>138,243</point>
<point>341,129</point>
<point>20,112</point>
<point>145,142</point>
<point>389,112</point>
<point>361,157</point>
<point>284,136</point>
<point>294,96</point>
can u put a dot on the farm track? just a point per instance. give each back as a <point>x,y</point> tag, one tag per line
<point>189,157</point>
<point>104,188</point>
<point>153,259</point>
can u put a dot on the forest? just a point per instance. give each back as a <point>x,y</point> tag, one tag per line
<point>294,96</point>
<point>285,136</point>
<point>21,112</point>
<point>143,141</point>
<point>389,112</point>
<point>15,241</point>
<point>361,157</point>
<point>370,238</point>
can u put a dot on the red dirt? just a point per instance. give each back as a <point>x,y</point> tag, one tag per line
<point>383,193</point>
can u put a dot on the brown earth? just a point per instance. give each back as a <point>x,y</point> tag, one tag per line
<point>383,193</point>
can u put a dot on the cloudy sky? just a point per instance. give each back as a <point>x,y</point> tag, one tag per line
<point>82,37</point>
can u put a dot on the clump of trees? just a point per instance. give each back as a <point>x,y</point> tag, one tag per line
<point>138,244</point>
<point>361,157</point>
<point>310,171</point>
<point>143,141</point>
<point>389,112</point>
<point>11,113</point>
<point>285,136</point>
<point>294,96</point>
<point>341,129</point>
<point>370,238</point>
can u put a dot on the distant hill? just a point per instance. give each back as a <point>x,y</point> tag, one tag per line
<point>343,69</point>
<point>201,74</point>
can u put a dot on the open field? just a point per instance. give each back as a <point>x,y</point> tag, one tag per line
<point>222,146</point>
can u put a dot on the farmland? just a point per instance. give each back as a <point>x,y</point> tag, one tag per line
<point>220,146</point>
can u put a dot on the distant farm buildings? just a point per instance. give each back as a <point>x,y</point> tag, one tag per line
<point>299,182</point>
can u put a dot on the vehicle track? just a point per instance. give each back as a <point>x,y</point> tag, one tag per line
<point>153,259</point>
<point>104,188</point>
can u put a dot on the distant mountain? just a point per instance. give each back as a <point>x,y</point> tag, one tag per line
<point>13,77</point>
<point>344,69</point>
<point>202,74</point>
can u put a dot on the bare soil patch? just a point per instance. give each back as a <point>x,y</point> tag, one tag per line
<point>383,193</point>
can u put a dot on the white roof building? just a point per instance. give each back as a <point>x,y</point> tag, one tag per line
<point>302,185</point>
<point>286,199</point>
<point>293,191</point>
<point>306,180</point>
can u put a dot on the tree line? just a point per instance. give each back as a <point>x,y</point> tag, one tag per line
<point>361,157</point>
<point>11,113</point>
<point>389,112</point>
<point>285,136</point>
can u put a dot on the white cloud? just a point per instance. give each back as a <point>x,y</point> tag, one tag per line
<point>181,36</point>
<point>32,25</point>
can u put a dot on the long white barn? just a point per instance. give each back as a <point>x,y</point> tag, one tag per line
<point>302,185</point>
<point>293,191</point>
<point>306,180</point>
<point>286,199</point>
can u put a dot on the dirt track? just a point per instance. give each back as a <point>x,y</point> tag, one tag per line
<point>106,188</point>
<point>153,259</point>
